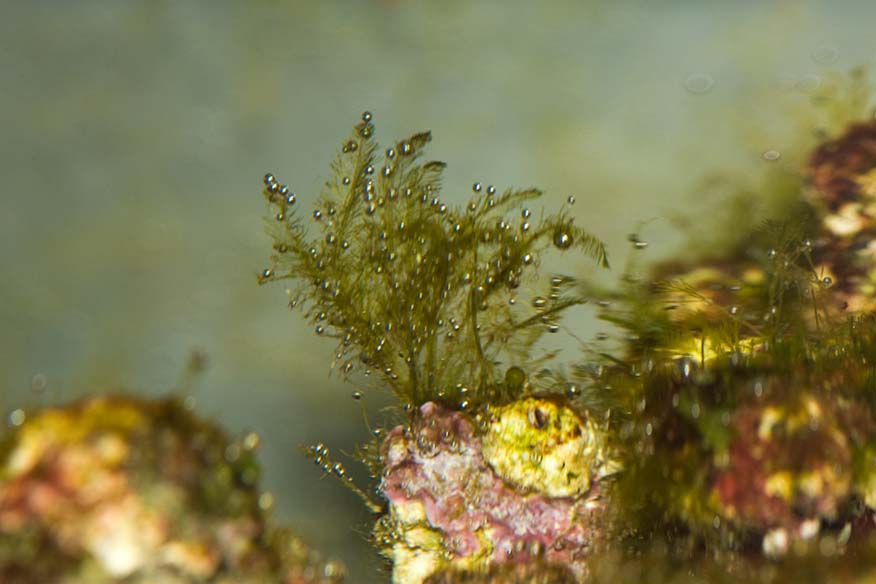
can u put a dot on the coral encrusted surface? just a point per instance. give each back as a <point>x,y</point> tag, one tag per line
<point>119,489</point>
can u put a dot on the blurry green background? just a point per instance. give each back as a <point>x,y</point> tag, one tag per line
<point>134,135</point>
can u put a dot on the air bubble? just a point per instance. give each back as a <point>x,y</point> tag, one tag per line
<point>562,240</point>
<point>684,366</point>
<point>357,395</point>
<point>17,417</point>
<point>491,190</point>
<point>476,187</point>
<point>250,441</point>
<point>571,200</point>
<point>699,83</point>
<point>266,501</point>
<point>38,383</point>
<point>366,116</point>
<point>269,179</point>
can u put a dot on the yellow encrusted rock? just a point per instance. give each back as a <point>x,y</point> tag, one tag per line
<point>542,445</point>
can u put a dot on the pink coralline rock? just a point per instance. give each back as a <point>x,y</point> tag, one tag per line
<point>788,468</point>
<point>451,509</point>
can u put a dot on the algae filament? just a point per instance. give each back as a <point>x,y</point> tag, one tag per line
<point>416,290</point>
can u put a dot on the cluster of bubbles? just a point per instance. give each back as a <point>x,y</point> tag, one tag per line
<point>282,198</point>
<point>322,458</point>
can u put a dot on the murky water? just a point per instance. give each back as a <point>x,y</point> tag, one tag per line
<point>135,135</point>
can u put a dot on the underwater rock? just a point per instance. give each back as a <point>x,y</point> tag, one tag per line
<point>122,489</point>
<point>788,469</point>
<point>841,174</point>
<point>541,445</point>
<point>707,292</point>
<point>531,573</point>
<point>842,187</point>
<point>449,509</point>
<point>757,462</point>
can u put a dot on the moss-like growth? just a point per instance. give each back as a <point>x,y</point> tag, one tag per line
<point>416,290</point>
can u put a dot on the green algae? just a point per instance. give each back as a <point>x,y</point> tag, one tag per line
<point>418,291</point>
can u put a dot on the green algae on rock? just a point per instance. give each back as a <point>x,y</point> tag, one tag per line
<point>749,457</point>
<point>426,295</point>
<point>730,435</point>
<point>743,407</point>
<point>125,489</point>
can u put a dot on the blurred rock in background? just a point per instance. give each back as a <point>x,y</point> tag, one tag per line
<point>122,489</point>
